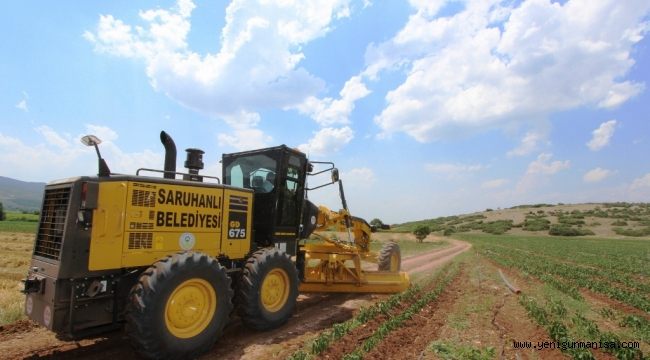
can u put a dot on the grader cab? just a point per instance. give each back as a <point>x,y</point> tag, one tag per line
<point>169,258</point>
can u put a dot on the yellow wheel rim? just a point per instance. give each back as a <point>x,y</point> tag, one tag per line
<point>394,262</point>
<point>190,308</point>
<point>275,290</point>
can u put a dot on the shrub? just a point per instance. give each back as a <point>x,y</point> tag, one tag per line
<point>497,227</point>
<point>570,220</point>
<point>566,230</point>
<point>632,232</point>
<point>619,223</point>
<point>2,212</point>
<point>421,232</point>
<point>536,224</point>
<point>449,230</point>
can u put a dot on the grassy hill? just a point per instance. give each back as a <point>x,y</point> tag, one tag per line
<point>20,195</point>
<point>603,219</point>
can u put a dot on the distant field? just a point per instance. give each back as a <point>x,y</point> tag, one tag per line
<point>19,222</point>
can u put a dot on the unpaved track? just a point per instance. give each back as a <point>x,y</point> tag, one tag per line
<point>315,312</point>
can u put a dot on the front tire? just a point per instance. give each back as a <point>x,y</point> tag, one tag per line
<point>179,307</point>
<point>268,289</point>
<point>390,258</point>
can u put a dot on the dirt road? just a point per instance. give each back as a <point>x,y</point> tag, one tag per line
<point>315,312</point>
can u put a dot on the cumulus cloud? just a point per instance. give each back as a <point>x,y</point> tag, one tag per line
<point>329,111</point>
<point>596,175</point>
<point>601,136</point>
<point>539,170</point>
<point>543,165</point>
<point>497,62</point>
<point>529,143</point>
<point>257,66</point>
<point>494,184</point>
<point>61,155</point>
<point>327,140</point>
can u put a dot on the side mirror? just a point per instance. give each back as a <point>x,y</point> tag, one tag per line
<point>335,175</point>
<point>90,140</point>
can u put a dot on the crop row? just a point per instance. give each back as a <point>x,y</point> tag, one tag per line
<point>366,314</point>
<point>551,318</point>
<point>395,322</point>
<point>606,275</point>
<point>566,278</point>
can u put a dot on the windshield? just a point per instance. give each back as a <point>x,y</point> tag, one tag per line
<point>255,172</point>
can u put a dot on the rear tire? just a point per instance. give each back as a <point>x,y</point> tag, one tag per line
<point>268,289</point>
<point>179,307</point>
<point>390,258</point>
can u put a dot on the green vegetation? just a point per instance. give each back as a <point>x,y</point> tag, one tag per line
<point>633,232</point>
<point>413,295</point>
<point>536,223</point>
<point>19,222</point>
<point>557,222</point>
<point>409,247</point>
<point>421,232</point>
<point>497,227</point>
<point>447,351</point>
<point>567,230</point>
<point>569,264</point>
<point>2,212</point>
<point>445,277</point>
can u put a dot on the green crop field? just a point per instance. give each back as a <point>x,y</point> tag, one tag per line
<point>587,284</point>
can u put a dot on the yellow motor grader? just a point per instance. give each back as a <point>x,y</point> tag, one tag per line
<point>171,256</point>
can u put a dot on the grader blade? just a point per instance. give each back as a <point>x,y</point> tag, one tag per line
<point>372,282</point>
<point>330,268</point>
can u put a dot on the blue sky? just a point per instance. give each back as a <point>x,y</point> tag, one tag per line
<point>428,108</point>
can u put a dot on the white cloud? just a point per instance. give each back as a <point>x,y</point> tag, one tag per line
<point>358,177</point>
<point>491,64</point>
<point>327,140</point>
<point>601,136</point>
<point>60,155</point>
<point>538,172</point>
<point>641,183</point>
<point>452,170</point>
<point>493,184</point>
<point>596,175</point>
<point>529,143</point>
<point>53,138</point>
<point>256,67</point>
<point>544,166</point>
<point>328,111</point>
<point>22,104</point>
<point>104,133</point>
<point>245,139</point>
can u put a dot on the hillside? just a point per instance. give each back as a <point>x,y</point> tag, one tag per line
<point>610,220</point>
<point>20,195</point>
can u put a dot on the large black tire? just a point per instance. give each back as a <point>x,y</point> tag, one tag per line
<point>179,307</point>
<point>390,258</point>
<point>268,289</point>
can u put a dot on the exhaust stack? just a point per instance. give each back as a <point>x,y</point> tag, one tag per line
<point>170,155</point>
